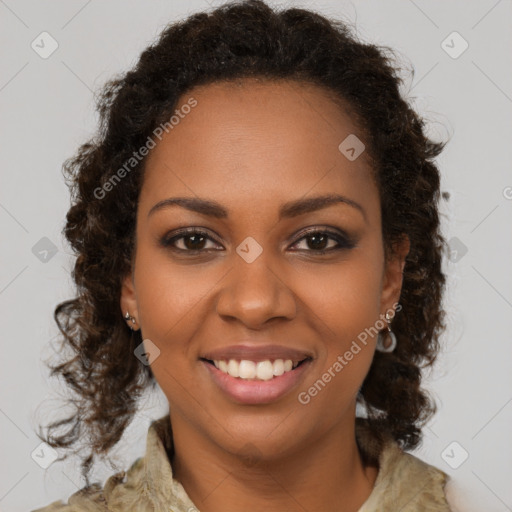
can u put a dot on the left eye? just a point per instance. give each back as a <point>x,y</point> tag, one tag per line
<point>318,241</point>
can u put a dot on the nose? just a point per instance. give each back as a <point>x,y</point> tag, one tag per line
<point>256,292</point>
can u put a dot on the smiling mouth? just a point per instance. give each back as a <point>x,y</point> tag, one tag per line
<point>245,369</point>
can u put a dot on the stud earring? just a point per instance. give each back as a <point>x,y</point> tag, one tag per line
<point>129,318</point>
<point>386,345</point>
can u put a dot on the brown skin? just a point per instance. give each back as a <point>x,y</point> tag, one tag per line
<point>253,147</point>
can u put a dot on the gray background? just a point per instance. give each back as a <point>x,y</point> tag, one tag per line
<point>47,110</point>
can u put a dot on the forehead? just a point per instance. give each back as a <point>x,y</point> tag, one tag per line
<point>254,135</point>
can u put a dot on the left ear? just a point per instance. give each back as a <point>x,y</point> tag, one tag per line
<point>393,274</point>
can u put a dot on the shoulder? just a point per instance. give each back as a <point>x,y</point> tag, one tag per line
<point>404,482</point>
<point>147,484</point>
<point>411,482</point>
<point>120,490</point>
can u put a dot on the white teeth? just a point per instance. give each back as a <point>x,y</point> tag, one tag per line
<point>233,368</point>
<point>262,370</point>
<point>265,370</point>
<point>247,369</point>
<point>278,367</point>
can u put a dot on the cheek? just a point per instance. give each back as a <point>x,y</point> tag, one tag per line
<point>346,302</point>
<point>169,301</point>
<point>169,296</point>
<point>346,296</point>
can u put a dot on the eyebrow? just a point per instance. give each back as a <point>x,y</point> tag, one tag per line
<point>287,210</point>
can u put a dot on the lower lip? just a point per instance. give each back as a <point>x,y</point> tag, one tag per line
<point>245,391</point>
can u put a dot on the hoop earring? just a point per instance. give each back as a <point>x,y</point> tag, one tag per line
<point>391,339</point>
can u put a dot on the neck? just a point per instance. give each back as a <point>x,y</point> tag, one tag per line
<point>327,474</point>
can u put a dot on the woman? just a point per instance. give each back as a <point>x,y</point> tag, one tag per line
<point>257,232</point>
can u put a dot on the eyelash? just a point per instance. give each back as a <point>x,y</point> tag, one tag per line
<point>344,242</point>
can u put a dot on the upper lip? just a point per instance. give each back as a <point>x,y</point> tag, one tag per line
<point>257,353</point>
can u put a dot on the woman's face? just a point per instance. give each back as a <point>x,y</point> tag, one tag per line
<point>251,159</point>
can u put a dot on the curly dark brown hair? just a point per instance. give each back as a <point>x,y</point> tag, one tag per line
<point>234,41</point>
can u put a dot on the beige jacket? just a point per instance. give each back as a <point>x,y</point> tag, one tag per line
<point>404,482</point>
